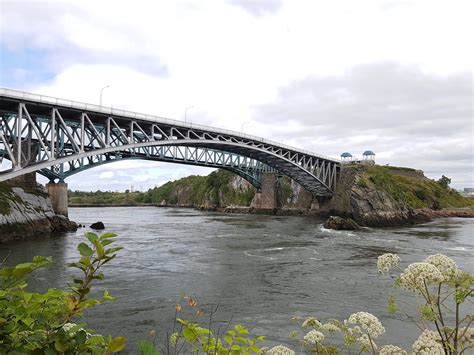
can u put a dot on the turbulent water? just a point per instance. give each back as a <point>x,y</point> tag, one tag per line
<point>261,270</point>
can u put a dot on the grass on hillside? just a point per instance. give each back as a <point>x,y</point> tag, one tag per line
<point>416,192</point>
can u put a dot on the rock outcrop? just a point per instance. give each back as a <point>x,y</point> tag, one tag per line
<point>384,196</point>
<point>339,223</point>
<point>24,214</point>
<point>97,225</point>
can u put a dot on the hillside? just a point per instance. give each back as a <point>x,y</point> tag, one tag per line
<point>382,195</point>
<point>370,194</point>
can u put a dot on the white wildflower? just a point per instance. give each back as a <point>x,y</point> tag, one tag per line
<point>330,327</point>
<point>466,335</point>
<point>68,326</point>
<point>387,261</point>
<point>368,322</point>
<point>445,265</point>
<point>429,342</point>
<point>314,337</point>
<point>311,322</point>
<point>392,350</point>
<point>366,344</point>
<point>416,275</point>
<point>280,350</point>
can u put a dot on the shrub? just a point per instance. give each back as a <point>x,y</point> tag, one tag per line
<point>33,322</point>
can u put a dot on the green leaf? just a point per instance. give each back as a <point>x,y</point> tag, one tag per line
<point>231,332</point>
<point>228,340</point>
<point>28,321</point>
<point>241,339</point>
<point>113,250</point>
<point>107,235</point>
<point>117,344</point>
<point>61,347</point>
<point>99,248</point>
<point>189,334</point>
<point>147,348</point>
<point>241,329</point>
<point>255,349</point>
<point>92,237</point>
<point>84,249</point>
<point>235,347</point>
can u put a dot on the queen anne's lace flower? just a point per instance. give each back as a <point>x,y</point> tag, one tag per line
<point>314,337</point>
<point>466,336</point>
<point>392,350</point>
<point>280,350</point>
<point>330,327</point>
<point>416,275</point>
<point>311,322</point>
<point>445,265</point>
<point>387,261</point>
<point>368,322</point>
<point>428,343</point>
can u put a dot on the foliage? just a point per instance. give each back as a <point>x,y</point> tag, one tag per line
<point>444,182</point>
<point>33,322</point>
<point>410,189</point>
<point>189,191</point>
<point>192,337</point>
<point>442,289</point>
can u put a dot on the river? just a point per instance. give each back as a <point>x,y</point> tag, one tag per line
<point>261,270</point>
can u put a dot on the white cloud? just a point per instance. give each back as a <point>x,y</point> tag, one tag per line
<point>106,175</point>
<point>227,58</point>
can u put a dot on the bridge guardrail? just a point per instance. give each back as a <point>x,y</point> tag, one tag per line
<point>151,118</point>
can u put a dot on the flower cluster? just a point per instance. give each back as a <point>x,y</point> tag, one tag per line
<point>445,265</point>
<point>368,322</point>
<point>71,329</point>
<point>428,343</point>
<point>330,327</point>
<point>392,350</point>
<point>311,322</point>
<point>387,261</point>
<point>280,350</point>
<point>466,335</point>
<point>416,275</point>
<point>314,337</point>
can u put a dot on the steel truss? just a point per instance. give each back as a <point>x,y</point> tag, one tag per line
<point>58,138</point>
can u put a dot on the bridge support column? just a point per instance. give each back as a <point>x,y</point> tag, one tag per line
<point>58,196</point>
<point>26,181</point>
<point>267,198</point>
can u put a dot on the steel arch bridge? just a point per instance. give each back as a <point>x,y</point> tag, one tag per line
<point>58,138</point>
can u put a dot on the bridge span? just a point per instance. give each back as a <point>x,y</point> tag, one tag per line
<point>58,138</point>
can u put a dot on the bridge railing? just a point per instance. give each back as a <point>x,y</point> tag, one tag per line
<point>145,117</point>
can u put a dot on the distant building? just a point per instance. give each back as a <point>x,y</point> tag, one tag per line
<point>368,155</point>
<point>469,190</point>
<point>346,156</point>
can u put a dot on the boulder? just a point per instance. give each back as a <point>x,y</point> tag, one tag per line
<point>97,225</point>
<point>339,223</point>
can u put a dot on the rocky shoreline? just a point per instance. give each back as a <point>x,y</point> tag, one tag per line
<point>27,214</point>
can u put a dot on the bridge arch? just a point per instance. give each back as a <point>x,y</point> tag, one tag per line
<point>63,131</point>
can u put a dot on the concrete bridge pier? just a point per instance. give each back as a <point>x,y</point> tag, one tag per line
<point>58,196</point>
<point>267,197</point>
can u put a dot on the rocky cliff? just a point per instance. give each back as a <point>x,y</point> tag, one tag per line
<point>27,214</point>
<point>390,196</point>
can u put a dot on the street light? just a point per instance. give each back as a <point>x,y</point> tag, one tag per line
<point>242,127</point>
<point>101,90</point>
<point>185,112</point>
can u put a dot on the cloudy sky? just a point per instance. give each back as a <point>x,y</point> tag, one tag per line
<point>392,76</point>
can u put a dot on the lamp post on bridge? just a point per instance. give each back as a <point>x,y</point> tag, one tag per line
<point>186,111</point>
<point>101,91</point>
